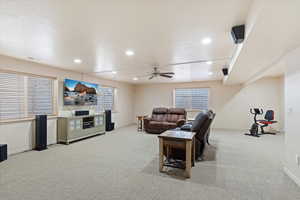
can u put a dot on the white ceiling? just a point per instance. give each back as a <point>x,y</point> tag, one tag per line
<point>275,31</point>
<point>99,32</point>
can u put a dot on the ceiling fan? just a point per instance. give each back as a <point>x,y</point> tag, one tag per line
<point>157,73</point>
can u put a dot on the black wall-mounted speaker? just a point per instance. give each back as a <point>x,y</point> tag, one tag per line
<point>225,71</point>
<point>40,132</point>
<point>3,152</point>
<point>82,112</point>
<point>238,33</point>
<point>109,126</point>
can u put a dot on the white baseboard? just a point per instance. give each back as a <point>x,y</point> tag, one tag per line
<point>292,176</point>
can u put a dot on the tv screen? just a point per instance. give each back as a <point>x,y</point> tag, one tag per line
<point>80,93</point>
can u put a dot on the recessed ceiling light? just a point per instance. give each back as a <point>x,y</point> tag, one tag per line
<point>209,62</point>
<point>135,78</point>
<point>77,61</point>
<point>114,72</point>
<point>129,53</point>
<point>210,73</point>
<point>206,40</point>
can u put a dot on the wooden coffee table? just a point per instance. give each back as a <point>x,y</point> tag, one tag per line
<point>178,139</point>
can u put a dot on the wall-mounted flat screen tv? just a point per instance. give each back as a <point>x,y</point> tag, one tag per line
<point>80,93</point>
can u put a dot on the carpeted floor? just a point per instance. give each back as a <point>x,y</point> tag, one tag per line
<point>124,165</point>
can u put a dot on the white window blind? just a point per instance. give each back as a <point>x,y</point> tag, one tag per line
<point>12,96</point>
<point>106,99</point>
<point>40,91</point>
<point>24,96</point>
<point>192,98</point>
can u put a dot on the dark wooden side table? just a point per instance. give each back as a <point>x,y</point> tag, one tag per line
<point>140,122</point>
<point>178,139</point>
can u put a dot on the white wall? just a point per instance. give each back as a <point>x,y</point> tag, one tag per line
<point>18,135</point>
<point>231,103</point>
<point>292,115</point>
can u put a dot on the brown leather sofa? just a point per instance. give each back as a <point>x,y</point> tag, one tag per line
<point>163,119</point>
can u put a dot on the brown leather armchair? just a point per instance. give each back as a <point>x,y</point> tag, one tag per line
<point>201,126</point>
<point>163,119</point>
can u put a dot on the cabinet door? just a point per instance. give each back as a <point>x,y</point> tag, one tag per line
<point>101,121</point>
<point>72,125</point>
<point>78,124</point>
<point>97,121</point>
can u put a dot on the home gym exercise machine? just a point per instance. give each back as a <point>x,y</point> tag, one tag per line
<point>269,119</point>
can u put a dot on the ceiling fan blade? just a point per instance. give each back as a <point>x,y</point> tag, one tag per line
<point>145,75</point>
<point>166,76</point>
<point>170,73</point>
<point>151,77</point>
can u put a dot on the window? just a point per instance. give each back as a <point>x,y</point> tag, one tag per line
<point>192,98</point>
<point>12,96</point>
<point>23,96</point>
<point>106,99</point>
<point>40,91</point>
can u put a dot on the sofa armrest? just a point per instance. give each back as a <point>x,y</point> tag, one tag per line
<point>180,122</point>
<point>146,121</point>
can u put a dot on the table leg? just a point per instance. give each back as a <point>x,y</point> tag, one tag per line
<point>140,125</point>
<point>188,158</point>
<point>193,152</point>
<point>161,154</point>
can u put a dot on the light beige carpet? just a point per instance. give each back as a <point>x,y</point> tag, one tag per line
<point>123,164</point>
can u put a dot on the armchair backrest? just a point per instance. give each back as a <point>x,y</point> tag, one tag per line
<point>202,123</point>
<point>199,121</point>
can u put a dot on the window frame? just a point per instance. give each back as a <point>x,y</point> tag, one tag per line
<point>192,110</point>
<point>54,95</point>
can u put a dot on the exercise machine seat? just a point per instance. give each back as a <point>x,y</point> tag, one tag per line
<point>269,118</point>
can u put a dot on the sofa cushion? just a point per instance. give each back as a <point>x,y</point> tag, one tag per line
<point>170,125</point>
<point>159,117</point>
<point>175,114</point>
<point>160,111</point>
<point>178,111</point>
<point>159,114</point>
<point>162,124</point>
<point>157,125</point>
<point>174,117</point>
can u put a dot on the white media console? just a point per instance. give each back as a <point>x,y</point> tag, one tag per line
<point>78,127</point>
